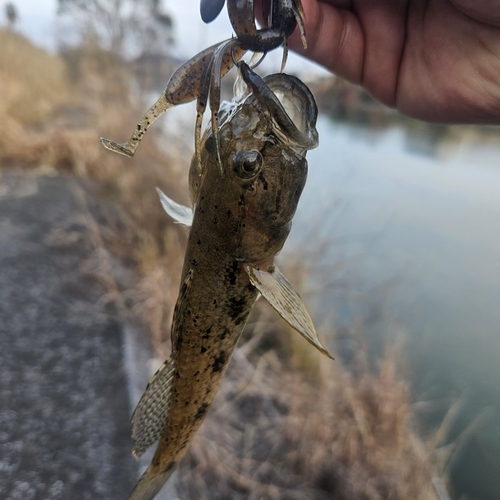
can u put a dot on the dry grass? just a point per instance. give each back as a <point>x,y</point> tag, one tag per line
<point>75,99</point>
<point>33,82</point>
<point>275,435</point>
<point>287,424</point>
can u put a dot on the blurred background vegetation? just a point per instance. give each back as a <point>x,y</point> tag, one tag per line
<point>382,421</point>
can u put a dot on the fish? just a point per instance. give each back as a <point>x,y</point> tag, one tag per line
<point>239,221</point>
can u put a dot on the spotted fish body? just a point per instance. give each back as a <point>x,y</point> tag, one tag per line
<point>240,220</point>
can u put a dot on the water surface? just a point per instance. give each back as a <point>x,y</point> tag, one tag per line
<point>412,238</point>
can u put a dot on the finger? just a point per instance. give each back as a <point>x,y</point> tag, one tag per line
<point>362,43</point>
<point>384,28</point>
<point>334,39</point>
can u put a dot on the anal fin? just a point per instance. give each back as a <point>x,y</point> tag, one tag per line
<point>286,301</point>
<point>150,414</point>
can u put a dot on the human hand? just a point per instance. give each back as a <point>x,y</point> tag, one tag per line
<point>435,60</point>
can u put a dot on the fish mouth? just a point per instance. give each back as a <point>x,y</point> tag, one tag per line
<point>290,104</point>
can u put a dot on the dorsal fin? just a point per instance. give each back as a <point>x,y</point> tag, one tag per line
<point>286,301</point>
<point>150,415</point>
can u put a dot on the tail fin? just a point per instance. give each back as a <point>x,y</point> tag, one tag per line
<point>149,484</point>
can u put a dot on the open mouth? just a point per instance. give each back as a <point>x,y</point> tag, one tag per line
<point>298,113</point>
<point>289,103</point>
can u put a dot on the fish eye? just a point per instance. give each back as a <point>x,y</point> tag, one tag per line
<point>247,164</point>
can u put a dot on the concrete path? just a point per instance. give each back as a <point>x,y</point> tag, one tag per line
<point>64,409</point>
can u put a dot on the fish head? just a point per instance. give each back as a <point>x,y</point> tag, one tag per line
<point>263,142</point>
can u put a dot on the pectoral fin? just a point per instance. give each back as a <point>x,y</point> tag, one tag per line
<point>150,415</point>
<point>181,214</point>
<point>286,301</point>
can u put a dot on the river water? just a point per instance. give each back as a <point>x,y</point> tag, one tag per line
<point>403,238</point>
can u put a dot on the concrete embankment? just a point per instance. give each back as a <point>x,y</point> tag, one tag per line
<point>64,396</point>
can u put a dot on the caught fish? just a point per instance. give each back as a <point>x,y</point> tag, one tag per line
<point>239,221</point>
